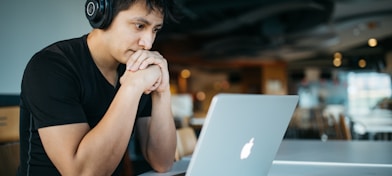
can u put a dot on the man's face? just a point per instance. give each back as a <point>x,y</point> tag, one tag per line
<point>131,30</point>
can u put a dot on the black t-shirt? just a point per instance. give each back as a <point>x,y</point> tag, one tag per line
<point>62,85</point>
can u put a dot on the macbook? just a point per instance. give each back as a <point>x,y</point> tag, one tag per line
<point>240,135</point>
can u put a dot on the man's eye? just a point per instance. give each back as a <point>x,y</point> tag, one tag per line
<point>157,30</point>
<point>139,26</point>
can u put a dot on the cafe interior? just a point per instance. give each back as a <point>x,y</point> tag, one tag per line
<point>336,55</point>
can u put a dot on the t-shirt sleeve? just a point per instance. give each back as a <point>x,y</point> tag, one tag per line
<point>145,106</point>
<point>51,89</point>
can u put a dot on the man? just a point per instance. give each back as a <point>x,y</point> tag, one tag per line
<point>82,98</point>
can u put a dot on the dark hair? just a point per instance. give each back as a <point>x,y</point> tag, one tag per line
<point>166,7</point>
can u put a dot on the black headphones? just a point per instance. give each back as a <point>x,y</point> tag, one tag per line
<point>99,13</point>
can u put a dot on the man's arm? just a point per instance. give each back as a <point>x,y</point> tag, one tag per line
<point>157,134</point>
<point>75,149</point>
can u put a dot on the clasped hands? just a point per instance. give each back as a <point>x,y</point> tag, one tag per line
<point>148,69</point>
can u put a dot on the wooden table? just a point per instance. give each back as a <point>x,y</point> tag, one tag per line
<point>372,125</point>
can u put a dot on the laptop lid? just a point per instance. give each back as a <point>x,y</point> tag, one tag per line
<point>241,134</point>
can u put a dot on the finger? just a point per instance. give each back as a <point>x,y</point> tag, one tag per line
<point>153,88</point>
<point>156,85</point>
<point>142,59</point>
<point>164,76</point>
<point>152,57</point>
<point>135,60</point>
<point>149,61</point>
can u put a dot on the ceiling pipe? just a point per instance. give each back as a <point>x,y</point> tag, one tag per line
<point>257,15</point>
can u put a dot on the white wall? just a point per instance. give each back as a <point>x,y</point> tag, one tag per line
<point>27,26</point>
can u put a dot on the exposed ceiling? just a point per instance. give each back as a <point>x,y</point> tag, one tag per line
<point>306,32</point>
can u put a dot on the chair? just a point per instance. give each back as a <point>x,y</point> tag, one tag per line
<point>329,127</point>
<point>186,143</point>
<point>345,127</point>
<point>9,140</point>
<point>335,127</point>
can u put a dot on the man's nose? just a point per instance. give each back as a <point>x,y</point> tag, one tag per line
<point>146,40</point>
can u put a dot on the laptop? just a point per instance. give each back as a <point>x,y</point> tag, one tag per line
<point>240,135</point>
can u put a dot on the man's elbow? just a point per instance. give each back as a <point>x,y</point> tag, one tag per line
<point>163,167</point>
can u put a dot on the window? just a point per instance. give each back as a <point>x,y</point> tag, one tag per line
<point>365,90</point>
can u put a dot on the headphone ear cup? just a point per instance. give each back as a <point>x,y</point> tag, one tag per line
<point>99,13</point>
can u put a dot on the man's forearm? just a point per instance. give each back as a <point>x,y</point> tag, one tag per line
<point>162,140</point>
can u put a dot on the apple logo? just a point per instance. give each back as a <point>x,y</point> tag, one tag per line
<point>247,149</point>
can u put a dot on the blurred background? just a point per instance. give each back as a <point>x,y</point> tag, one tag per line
<point>335,54</point>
